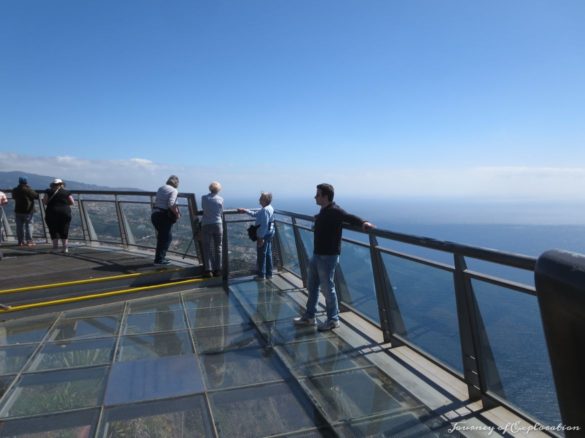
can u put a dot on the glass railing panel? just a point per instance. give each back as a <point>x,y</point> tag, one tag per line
<point>356,269</point>
<point>521,360</point>
<point>307,239</point>
<point>104,220</point>
<point>75,229</point>
<point>290,259</point>
<point>138,219</point>
<point>425,297</point>
<point>241,250</point>
<point>182,235</point>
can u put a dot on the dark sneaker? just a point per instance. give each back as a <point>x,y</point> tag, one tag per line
<point>304,321</point>
<point>330,324</point>
<point>208,274</point>
<point>162,263</point>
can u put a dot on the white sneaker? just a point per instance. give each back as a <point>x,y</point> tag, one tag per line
<point>65,250</point>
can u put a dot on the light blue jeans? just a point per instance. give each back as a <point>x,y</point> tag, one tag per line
<point>322,272</point>
<point>264,256</point>
<point>23,227</point>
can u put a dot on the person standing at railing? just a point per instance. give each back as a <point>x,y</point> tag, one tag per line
<point>264,233</point>
<point>165,212</point>
<point>24,207</point>
<point>3,202</point>
<point>58,202</point>
<point>326,250</point>
<point>212,229</point>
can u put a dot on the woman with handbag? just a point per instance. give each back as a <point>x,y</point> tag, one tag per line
<point>58,202</point>
<point>165,212</point>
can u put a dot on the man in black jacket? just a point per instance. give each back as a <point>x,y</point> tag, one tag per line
<point>326,249</point>
<point>24,207</point>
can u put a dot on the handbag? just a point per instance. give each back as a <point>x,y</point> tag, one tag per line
<point>172,216</point>
<point>252,229</point>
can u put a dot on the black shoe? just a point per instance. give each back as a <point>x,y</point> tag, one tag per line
<point>217,273</point>
<point>208,274</point>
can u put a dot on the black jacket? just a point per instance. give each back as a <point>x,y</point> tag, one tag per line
<point>24,199</point>
<point>328,227</point>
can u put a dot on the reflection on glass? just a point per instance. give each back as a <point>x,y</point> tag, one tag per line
<point>262,411</point>
<point>426,299</point>
<point>215,316</point>
<point>207,298</point>
<point>74,354</point>
<point>521,360</point>
<point>360,393</point>
<point>13,358</point>
<point>418,423</point>
<point>115,309</point>
<point>356,266</point>
<point>223,338</point>
<point>24,331</point>
<point>55,392</point>
<point>153,379</point>
<point>80,424</point>
<point>154,345</point>
<point>159,321</point>
<point>307,239</point>
<point>241,367</point>
<point>157,304</point>
<point>5,382</point>
<point>285,331</point>
<point>185,417</point>
<point>322,355</point>
<point>79,328</point>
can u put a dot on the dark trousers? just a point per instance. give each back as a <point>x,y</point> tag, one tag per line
<point>163,225</point>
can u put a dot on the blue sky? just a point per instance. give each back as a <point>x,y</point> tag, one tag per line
<point>400,99</point>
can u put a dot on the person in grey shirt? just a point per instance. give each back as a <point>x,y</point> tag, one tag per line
<point>212,230</point>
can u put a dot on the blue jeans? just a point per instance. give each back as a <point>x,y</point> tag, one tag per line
<point>164,237</point>
<point>322,272</point>
<point>23,227</point>
<point>212,243</point>
<point>264,256</point>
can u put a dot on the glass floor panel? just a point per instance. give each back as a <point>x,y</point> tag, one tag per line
<point>262,411</point>
<point>177,418</point>
<point>77,424</point>
<point>160,321</point>
<point>24,332</point>
<point>13,358</point>
<point>55,391</point>
<point>322,355</point>
<point>241,367</point>
<point>236,366</point>
<point>79,328</point>
<point>71,354</point>
<point>154,345</point>
<point>143,380</point>
<point>227,337</point>
<point>205,299</point>
<point>359,393</point>
<point>216,316</point>
<point>156,304</point>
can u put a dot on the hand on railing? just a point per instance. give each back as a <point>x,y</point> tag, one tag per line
<point>368,226</point>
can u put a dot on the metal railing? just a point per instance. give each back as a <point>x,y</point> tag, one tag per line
<point>374,280</point>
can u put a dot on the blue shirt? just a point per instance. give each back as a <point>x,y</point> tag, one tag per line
<point>212,205</point>
<point>264,218</point>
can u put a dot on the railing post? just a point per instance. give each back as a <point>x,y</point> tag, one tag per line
<point>560,287</point>
<point>391,320</point>
<point>479,368</point>
<point>122,223</point>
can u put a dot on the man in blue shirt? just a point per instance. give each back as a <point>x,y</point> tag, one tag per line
<point>326,249</point>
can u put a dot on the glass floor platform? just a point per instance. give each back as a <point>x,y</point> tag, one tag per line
<point>201,362</point>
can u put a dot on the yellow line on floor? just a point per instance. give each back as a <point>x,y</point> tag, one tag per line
<point>18,307</point>
<point>78,282</point>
